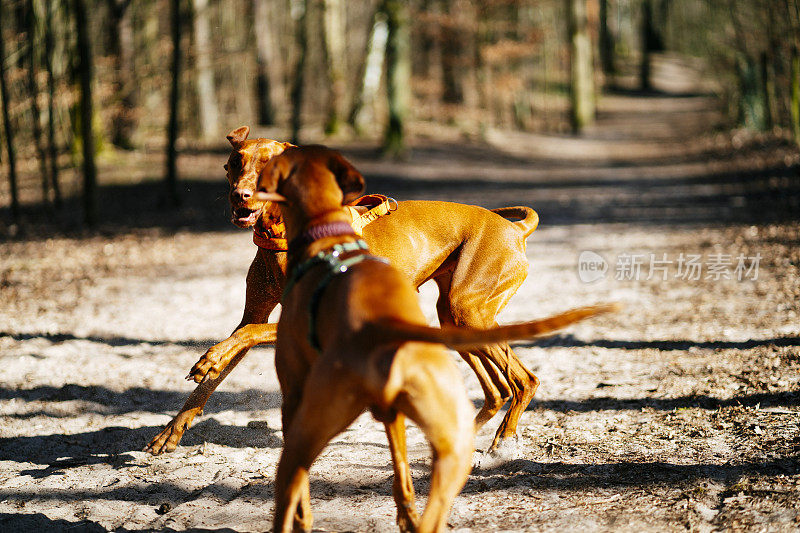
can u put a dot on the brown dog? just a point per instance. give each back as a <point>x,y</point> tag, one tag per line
<point>475,256</point>
<point>352,336</point>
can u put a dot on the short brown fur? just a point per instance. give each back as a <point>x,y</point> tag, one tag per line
<point>476,257</point>
<point>375,351</point>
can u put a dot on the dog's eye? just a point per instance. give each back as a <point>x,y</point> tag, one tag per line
<point>225,166</point>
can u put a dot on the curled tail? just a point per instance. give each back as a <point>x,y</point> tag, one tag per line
<point>466,338</point>
<point>528,218</point>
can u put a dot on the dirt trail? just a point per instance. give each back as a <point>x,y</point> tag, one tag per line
<point>681,412</point>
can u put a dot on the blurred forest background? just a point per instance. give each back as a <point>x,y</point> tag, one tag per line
<point>84,80</point>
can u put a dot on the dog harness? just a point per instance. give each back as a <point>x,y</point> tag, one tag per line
<point>273,236</point>
<point>335,266</point>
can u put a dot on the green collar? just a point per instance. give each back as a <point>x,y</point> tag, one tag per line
<point>334,266</point>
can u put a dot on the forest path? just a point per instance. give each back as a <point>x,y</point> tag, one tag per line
<point>680,412</point>
<point>651,158</point>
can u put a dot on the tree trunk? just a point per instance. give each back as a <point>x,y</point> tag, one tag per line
<point>206,94</point>
<point>795,94</point>
<point>20,24</point>
<point>430,39</point>
<point>123,123</point>
<point>767,92</point>
<point>661,25</point>
<point>52,147</point>
<point>483,76</point>
<point>334,41</point>
<point>301,38</point>
<point>265,80</point>
<point>750,110</point>
<point>398,74</point>
<point>582,103</point>
<point>748,103</point>
<point>9,129</point>
<point>36,115</point>
<point>171,180</point>
<point>362,111</point>
<point>647,38</point>
<point>453,54</point>
<point>607,44</point>
<point>86,113</point>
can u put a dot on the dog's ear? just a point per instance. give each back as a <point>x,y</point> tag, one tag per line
<point>350,180</point>
<point>264,196</point>
<point>270,176</point>
<point>238,136</point>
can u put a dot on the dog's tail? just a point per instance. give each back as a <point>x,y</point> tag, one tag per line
<point>466,338</point>
<point>528,219</point>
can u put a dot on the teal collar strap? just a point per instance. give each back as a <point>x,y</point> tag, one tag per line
<point>335,266</point>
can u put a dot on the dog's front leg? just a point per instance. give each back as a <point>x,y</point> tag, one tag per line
<point>170,436</point>
<point>261,298</point>
<point>295,501</point>
<point>265,280</point>
<point>324,407</point>
<point>291,487</point>
<point>219,356</point>
<point>292,497</point>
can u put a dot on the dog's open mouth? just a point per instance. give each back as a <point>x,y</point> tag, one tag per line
<point>245,217</point>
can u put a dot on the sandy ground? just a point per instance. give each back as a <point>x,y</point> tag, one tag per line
<point>681,412</point>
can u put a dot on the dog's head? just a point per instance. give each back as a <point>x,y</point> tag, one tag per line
<point>309,182</point>
<point>244,165</point>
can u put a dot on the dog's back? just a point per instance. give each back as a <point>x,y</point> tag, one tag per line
<point>448,228</point>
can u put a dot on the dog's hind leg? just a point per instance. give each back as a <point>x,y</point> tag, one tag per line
<point>435,398</point>
<point>496,389</point>
<point>501,268</point>
<point>523,383</point>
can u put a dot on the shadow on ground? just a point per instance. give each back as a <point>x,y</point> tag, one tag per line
<point>577,477</point>
<point>102,400</point>
<point>569,341</point>
<point>607,403</point>
<point>38,522</point>
<point>518,475</point>
<point>111,444</point>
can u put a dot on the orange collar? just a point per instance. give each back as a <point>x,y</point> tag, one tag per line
<point>274,237</point>
<point>377,205</point>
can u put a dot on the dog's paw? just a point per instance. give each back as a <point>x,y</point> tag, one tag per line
<point>170,436</point>
<point>504,451</point>
<point>407,517</point>
<point>507,449</point>
<point>163,442</point>
<point>209,366</point>
<point>215,360</point>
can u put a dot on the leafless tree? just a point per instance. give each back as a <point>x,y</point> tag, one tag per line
<point>9,129</point>
<point>84,69</point>
<point>398,75</point>
<point>171,180</point>
<point>582,99</point>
